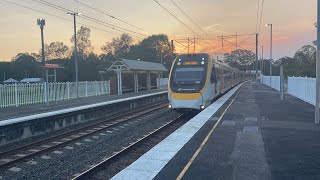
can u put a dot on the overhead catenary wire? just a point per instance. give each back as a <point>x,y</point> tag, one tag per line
<point>43,2</point>
<point>257,23</point>
<point>188,16</point>
<point>53,15</point>
<point>111,16</point>
<point>180,21</point>
<point>261,14</point>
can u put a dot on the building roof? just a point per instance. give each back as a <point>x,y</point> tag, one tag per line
<point>10,80</point>
<point>31,80</point>
<point>134,65</point>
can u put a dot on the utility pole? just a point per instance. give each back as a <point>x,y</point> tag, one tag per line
<point>194,44</point>
<point>75,49</point>
<point>236,41</point>
<point>281,80</point>
<point>222,40</point>
<point>318,66</point>
<point>262,68</point>
<point>42,23</point>
<point>188,44</point>
<point>172,51</point>
<point>257,36</point>
<point>270,51</point>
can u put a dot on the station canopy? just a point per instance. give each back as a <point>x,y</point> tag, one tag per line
<point>31,80</point>
<point>10,80</point>
<point>134,66</point>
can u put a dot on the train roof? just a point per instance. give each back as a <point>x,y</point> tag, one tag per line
<point>220,62</point>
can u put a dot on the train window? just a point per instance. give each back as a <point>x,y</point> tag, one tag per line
<point>194,75</point>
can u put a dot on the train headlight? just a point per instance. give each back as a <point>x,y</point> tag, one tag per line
<point>170,106</point>
<point>202,107</point>
<point>202,62</point>
<point>179,63</point>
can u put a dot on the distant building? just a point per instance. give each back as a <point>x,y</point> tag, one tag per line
<point>31,80</point>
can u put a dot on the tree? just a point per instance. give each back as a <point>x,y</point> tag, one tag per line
<point>306,54</point>
<point>25,65</point>
<point>241,59</point>
<point>84,46</point>
<point>151,48</point>
<point>118,47</point>
<point>56,50</point>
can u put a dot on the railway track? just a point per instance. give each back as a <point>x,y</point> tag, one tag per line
<point>33,149</point>
<point>92,173</point>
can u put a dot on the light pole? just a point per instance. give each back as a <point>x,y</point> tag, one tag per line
<point>267,25</point>
<point>75,48</point>
<point>318,66</point>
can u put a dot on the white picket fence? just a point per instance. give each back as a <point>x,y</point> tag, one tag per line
<point>275,81</point>
<point>303,88</point>
<point>24,94</point>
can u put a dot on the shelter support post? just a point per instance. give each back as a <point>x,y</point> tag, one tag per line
<point>136,82</point>
<point>158,82</point>
<point>119,80</point>
<point>148,81</point>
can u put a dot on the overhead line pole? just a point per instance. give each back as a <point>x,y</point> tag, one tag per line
<point>236,41</point>
<point>318,66</point>
<point>194,44</point>
<point>75,51</point>
<point>188,44</point>
<point>42,23</point>
<point>257,39</point>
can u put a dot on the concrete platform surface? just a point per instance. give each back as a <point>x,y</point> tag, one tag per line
<point>16,112</point>
<point>258,137</point>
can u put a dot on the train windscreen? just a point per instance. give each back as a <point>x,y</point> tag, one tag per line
<point>189,75</point>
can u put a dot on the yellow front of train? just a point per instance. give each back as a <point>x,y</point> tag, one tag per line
<point>188,81</point>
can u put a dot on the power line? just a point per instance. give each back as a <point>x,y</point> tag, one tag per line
<point>180,21</point>
<point>87,17</point>
<point>111,16</point>
<point>261,15</point>
<point>33,9</point>
<point>188,17</point>
<point>246,39</point>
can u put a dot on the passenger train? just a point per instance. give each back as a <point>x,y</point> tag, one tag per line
<point>196,79</point>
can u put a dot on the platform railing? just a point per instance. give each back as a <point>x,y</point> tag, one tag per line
<point>275,82</point>
<point>19,94</point>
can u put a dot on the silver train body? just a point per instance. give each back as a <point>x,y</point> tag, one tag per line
<point>195,80</point>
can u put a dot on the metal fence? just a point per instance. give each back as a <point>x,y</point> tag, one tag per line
<point>275,81</point>
<point>24,94</point>
<point>303,88</point>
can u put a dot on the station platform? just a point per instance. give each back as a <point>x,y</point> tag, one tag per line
<point>246,134</point>
<point>36,109</point>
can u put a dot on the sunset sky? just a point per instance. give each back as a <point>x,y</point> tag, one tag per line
<point>292,21</point>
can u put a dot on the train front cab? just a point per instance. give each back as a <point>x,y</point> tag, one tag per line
<point>189,86</point>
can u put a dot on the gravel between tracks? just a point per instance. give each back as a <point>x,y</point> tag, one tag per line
<point>77,157</point>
